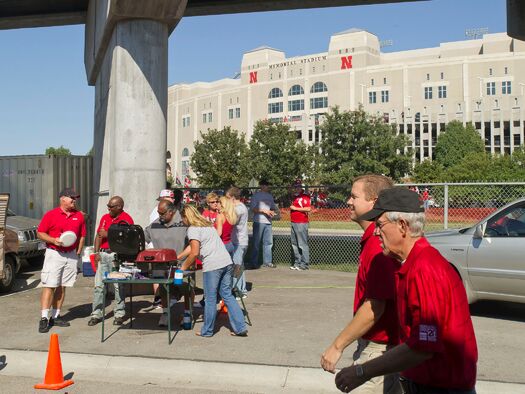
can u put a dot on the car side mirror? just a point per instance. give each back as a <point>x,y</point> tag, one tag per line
<point>478,233</point>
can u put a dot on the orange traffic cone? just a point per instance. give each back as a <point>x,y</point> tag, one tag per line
<point>54,379</point>
<point>222,308</point>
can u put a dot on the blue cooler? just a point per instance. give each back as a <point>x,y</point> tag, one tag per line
<point>87,269</point>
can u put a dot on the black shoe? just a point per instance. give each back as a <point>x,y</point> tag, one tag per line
<point>43,326</point>
<point>240,334</point>
<point>59,322</point>
<point>94,321</point>
<point>118,321</point>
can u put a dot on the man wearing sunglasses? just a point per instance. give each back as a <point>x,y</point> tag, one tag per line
<point>60,262</point>
<point>104,260</point>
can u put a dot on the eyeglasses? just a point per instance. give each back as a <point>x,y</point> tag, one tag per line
<point>111,206</point>
<point>380,225</point>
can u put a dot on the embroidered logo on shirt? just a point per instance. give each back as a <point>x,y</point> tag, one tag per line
<point>427,333</point>
<point>74,218</point>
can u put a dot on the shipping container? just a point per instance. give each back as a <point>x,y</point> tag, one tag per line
<point>35,181</point>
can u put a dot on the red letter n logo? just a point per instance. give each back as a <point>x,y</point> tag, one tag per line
<point>253,77</point>
<point>346,62</point>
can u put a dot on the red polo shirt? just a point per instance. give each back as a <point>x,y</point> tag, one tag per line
<point>210,215</point>
<point>376,280</point>
<point>56,221</point>
<point>434,317</point>
<point>107,220</point>
<point>302,200</point>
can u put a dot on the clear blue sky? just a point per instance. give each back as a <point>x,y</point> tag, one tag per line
<point>45,100</point>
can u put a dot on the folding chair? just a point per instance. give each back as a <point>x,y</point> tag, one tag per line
<point>237,293</point>
<point>4,202</point>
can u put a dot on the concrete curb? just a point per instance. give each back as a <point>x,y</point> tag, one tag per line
<point>193,374</point>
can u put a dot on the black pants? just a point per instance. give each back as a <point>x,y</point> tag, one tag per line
<point>411,387</point>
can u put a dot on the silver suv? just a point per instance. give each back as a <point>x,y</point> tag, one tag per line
<point>29,246</point>
<point>489,256</point>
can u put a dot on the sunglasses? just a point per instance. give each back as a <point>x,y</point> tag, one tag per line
<point>111,206</point>
<point>213,202</point>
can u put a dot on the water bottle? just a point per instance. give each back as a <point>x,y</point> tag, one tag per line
<point>186,321</point>
<point>179,274</point>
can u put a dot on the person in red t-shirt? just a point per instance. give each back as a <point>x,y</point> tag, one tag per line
<point>438,350</point>
<point>299,210</point>
<point>374,325</point>
<point>214,204</point>
<point>61,258</point>
<point>104,258</point>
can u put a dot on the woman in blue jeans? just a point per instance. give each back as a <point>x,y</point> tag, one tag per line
<point>217,268</point>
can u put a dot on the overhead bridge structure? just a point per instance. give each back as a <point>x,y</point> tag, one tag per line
<point>126,59</point>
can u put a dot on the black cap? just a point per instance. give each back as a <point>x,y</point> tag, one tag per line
<point>396,199</point>
<point>69,192</point>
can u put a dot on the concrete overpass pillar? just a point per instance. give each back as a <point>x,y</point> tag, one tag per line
<point>127,61</point>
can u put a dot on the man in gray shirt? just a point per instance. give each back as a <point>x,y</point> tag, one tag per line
<point>167,232</point>
<point>263,206</point>
<point>239,239</point>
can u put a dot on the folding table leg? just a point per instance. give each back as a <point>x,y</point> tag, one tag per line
<point>103,308</point>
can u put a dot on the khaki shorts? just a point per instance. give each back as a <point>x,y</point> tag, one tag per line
<point>60,269</point>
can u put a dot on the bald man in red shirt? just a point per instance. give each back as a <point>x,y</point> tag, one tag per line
<point>374,325</point>
<point>438,351</point>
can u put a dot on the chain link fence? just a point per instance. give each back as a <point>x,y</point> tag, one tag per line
<point>334,239</point>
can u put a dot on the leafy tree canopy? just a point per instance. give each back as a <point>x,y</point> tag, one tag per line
<point>457,142</point>
<point>60,151</point>
<point>220,158</point>
<point>355,143</point>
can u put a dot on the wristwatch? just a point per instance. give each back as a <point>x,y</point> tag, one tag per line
<point>359,371</point>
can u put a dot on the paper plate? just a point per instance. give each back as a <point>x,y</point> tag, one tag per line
<point>68,238</point>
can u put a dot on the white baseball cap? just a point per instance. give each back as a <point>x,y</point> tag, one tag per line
<point>166,193</point>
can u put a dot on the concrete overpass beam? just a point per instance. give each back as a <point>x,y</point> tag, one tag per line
<point>131,87</point>
<point>516,19</point>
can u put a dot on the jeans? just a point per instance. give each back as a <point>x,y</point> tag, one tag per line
<point>262,231</point>
<point>238,259</point>
<point>106,265</point>
<point>230,248</point>
<point>220,279</point>
<point>301,251</point>
<point>411,387</point>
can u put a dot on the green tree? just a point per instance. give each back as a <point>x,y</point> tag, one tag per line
<point>428,172</point>
<point>457,142</point>
<point>276,155</point>
<point>219,159</point>
<point>355,143</point>
<point>60,151</point>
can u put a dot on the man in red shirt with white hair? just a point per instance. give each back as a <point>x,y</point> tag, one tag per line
<point>438,351</point>
<point>374,324</point>
<point>60,263</point>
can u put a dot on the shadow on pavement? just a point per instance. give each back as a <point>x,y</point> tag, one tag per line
<point>499,310</point>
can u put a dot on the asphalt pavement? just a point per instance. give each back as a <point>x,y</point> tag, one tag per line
<point>295,316</point>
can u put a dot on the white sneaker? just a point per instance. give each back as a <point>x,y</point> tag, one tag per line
<point>163,321</point>
<point>294,268</point>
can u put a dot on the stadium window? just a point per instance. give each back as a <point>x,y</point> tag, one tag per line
<point>372,97</point>
<point>384,81</point>
<point>491,88</point>
<point>372,82</point>
<point>318,102</point>
<point>442,75</point>
<point>428,93</point>
<point>274,108</point>
<point>204,117</point>
<point>296,105</point>
<point>275,92</point>
<point>384,96</point>
<point>210,117</point>
<point>238,112</point>
<point>442,92</point>
<point>428,77</point>
<point>318,87</point>
<point>506,70</point>
<point>296,90</point>
<point>506,87</point>
<point>490,71</point>
<point>230,113</point>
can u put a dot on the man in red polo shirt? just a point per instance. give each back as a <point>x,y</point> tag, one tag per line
<point>60,263</point>
<point>299,210</point>
<point>374,325</point>
<point>438,351</point>
<point>104,259</point>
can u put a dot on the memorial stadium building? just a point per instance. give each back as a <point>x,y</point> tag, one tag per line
<point>480,81</point>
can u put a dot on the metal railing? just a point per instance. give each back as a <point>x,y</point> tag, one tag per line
<point>334,239</point>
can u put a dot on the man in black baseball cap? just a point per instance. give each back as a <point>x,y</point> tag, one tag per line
<point>432,307</point>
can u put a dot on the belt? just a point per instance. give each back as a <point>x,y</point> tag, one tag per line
<point>105,250</point>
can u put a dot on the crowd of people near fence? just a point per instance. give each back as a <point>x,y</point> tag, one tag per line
<point>411,319</point>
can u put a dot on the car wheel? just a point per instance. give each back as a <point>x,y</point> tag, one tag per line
<point>9,275</point>
<point>36,262</point>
